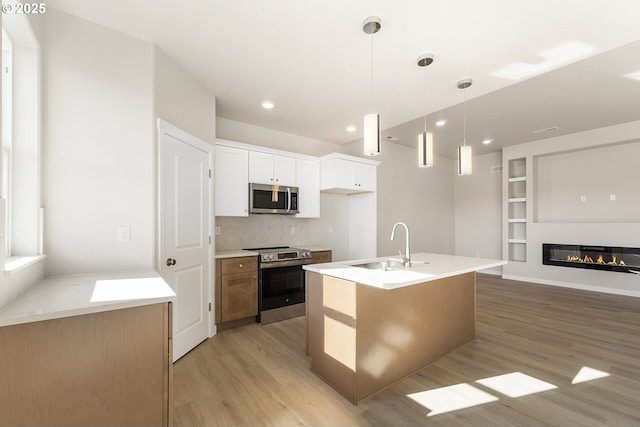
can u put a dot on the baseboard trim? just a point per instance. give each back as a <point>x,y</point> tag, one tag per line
<point>624,292</point>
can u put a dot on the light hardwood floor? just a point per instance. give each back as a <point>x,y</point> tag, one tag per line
<point>259,375</point>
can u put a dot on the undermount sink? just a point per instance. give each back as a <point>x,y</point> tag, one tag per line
<point>379,265</point>
<point>387,265</point>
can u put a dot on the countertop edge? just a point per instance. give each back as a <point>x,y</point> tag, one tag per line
<point>238,253</point>
<point>345,270</point>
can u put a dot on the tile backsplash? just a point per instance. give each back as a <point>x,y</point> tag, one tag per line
<point>261,231</point>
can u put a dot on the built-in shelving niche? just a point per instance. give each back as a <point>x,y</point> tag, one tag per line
<point>517,209</point>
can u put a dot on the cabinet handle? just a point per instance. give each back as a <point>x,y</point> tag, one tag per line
<point>276,179</point>
<point>240,265</point>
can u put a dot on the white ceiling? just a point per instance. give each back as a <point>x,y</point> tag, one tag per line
<point>312,59</point>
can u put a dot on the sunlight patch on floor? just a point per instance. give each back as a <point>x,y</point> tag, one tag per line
<point>451,398</point>
<point>516,384</point>
<point>587,374</point>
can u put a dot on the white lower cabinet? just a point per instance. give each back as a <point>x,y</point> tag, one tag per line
<point>231,181</point>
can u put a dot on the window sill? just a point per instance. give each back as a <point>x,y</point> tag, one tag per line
<point>16,263</point>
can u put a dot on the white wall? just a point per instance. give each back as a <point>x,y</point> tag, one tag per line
<point>332,228</point>
<point>562,180</point>
<point>478,209</point>
<point>422,198</point>
<point>257,135</point>
<point>98,147</point>
<point>613,233</point>
<point>181,100</point>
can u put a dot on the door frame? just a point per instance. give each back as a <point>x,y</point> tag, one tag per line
<point>164,127</point>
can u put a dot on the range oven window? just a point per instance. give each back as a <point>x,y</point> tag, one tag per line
<point>281,286</point>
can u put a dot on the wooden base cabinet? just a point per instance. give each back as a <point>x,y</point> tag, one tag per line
<point>319,257</point>
<point>236,288</point>
<point>100,369</point>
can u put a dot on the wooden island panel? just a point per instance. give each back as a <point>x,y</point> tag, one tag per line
<point>363,339</point>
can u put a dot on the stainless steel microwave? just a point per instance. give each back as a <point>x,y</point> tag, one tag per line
<point>269,199</point>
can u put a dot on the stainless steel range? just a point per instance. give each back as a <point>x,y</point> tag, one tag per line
<point>281,284</point>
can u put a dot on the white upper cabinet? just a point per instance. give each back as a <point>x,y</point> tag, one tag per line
<point>347,174</point>
<point>308,183</point>
<point>266,168</point>
<point>231,181</point>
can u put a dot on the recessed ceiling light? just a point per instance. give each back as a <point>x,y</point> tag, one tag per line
<point>441,122</point>
<point>267,105</point>
<point>351,128</point>
<point>487,141</point>
<point>392,138</point>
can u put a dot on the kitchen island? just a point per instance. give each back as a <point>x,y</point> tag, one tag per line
<point>369,328</point>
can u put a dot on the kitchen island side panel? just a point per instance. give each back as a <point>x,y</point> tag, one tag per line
<point>331,331</point>
<point>400,331</point>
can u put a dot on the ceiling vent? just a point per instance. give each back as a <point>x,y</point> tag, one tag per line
<point>551,129</point>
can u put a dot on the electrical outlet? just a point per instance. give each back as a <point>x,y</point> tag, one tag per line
<point>583,198</point>
<point>612,197</point>
<point>218,232</point>
<point>123,234</point>
<point>293,230</point>
<point>330,230</point>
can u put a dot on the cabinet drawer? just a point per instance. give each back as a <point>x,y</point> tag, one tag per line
<point>238,265</point>
<point>320,257</point>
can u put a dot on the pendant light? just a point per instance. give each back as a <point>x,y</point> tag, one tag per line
<point>464,151</point>
<point>372,139</point>
<point>425,139</point>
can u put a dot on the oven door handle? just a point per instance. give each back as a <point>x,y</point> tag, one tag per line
<point>288,263</point>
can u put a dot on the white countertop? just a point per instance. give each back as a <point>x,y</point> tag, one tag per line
<point>427,267</point>
<point>234,254</point>
<point>64,296</point>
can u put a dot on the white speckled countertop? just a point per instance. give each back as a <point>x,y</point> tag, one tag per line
<point>427,267</point>
<point>65,296</point>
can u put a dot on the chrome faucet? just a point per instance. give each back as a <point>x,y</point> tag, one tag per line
<point>406,259</point>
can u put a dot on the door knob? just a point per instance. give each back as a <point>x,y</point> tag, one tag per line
<point>171,261</point>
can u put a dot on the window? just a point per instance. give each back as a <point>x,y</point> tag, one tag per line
<point>21,147</point>
<point>7,90</point>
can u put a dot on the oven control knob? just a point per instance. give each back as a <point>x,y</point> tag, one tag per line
<point>306,254</point>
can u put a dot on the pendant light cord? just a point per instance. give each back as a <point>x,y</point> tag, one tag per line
<point>464,120</point>
<point>372,103</point>
<point>425,97</point>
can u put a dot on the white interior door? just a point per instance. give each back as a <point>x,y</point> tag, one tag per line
<point>185,221</point>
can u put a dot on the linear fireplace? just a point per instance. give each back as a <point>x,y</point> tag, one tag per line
<point>608,258</point>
